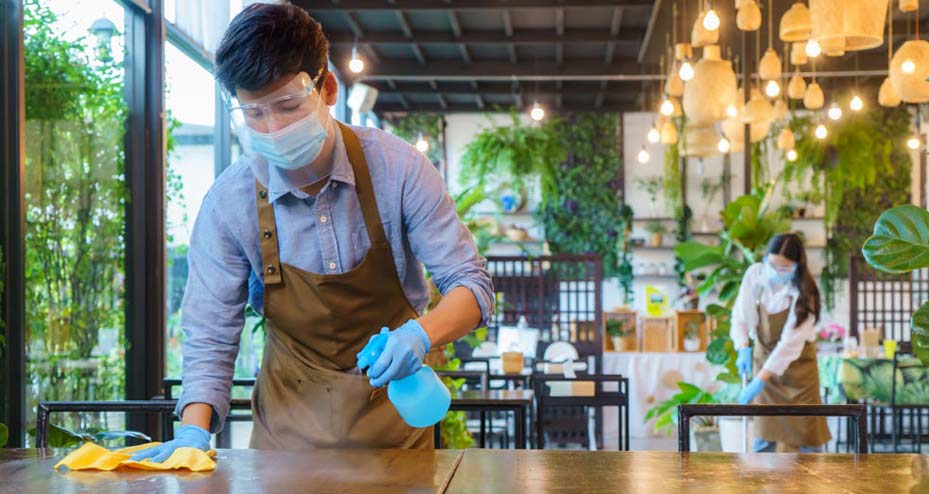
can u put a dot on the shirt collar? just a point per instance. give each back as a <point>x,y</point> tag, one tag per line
<point>281,183</point>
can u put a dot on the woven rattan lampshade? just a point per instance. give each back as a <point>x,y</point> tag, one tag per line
<point>734,130</point>
<point>712,89</point>
<point>827,20</point>
<point>911,87</point>
<point>796,88</point>
<point>795,23</point>
<point>770,65</point>
<point>757,109</point>
<point>669,133</point>
<point>674,86</point>
<point>863,24</point>
<point>908,5</point>
<point>887,95</point>
<point>798,53</point>
<point>700,141</point>
<point>683,51</point>
<point>701,36</point>
<point>779,109</point>
<point>748,17</point>
<point>813,99</point>
<point>785,140</point>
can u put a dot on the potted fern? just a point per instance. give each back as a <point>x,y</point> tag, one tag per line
<point>620,335</point>
<point>656,230</point>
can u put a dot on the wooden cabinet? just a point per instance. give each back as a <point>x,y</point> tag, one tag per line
<point>628,319</point>
<point>658,335</point>
<point>693,322</point>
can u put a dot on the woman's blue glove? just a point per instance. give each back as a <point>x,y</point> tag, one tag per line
<point>744,362</point>
<point>402,355</point>
<point>750,391</point>
<point>186,436</point>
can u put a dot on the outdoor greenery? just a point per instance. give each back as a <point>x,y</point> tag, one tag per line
<point>861,170</point>
<point>75,195</point>
<point>624,272</point>
<point>682,233</point>
<point>672,176</point>
<point>409,127</point>
<point>900,244</point>
<point>583,213</point>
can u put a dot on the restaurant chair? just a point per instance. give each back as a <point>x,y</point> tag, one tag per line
<point>903,360</point>
<point>484,425</point>
<point>164,408</point>
<point>856,414</point>
<point>560,398</point>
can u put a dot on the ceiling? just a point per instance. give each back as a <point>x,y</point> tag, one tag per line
<point>569,55</point>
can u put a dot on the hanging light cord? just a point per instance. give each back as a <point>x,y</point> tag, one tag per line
<point>770,23</point>
<point>890,32</point>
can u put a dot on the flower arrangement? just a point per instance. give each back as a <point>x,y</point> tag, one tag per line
<point>832,333</point>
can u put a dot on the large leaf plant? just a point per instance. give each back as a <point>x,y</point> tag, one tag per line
<point>900,245</point>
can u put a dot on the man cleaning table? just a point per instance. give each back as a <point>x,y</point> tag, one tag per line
<point>333,224</point>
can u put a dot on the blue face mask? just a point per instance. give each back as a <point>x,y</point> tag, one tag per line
<point>294,146</point>
<point>779,276</point>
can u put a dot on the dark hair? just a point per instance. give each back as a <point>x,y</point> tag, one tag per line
<point>790,246</point>
<point>267,41</point>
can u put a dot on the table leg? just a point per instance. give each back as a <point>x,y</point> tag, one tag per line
<point>519,413</point>
<point>483,429</point>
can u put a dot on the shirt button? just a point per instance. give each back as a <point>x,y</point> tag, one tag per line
<point>323,219</point>
<point>331,266</point>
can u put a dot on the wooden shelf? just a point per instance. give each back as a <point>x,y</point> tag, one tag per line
<point>654,219</point>
<point>808,218</point>
<point>649,247</point>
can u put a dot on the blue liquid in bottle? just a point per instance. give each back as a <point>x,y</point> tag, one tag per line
<point>421,399</point>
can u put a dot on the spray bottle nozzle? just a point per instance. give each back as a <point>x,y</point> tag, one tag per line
<point>369,354</point>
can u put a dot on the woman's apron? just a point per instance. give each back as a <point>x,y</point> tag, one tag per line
<point>309,393</point>
<point>798,385</point>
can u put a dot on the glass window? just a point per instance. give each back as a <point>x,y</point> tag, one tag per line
<point>75,197</point>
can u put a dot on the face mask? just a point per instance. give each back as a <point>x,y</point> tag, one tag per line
<point>294,146</point>
<point>779,277</point>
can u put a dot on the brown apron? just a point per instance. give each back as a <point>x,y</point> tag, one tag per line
<point>798,385</point>
<point>309,394</point>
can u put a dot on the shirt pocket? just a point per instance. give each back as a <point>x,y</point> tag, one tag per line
<point>361,243</point>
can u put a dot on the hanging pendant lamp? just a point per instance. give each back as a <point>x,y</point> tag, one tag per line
<point>780,110</point>
<point>770,65</point>
<point>701,36</point>
<point>748,17</point>
<point>795,23</point>
<point>683,51</point>
<point>757,109</point>
<point>674,86</point>
<point>712,90</point>
<point>908,5</point>
<point>785,140</point>
<point>796,88</point>
<point>909,69</point>
<point>798,53</point>
<point>887,95</point>
<point>700,141</point>
<point>813,99</point>
<point>669,133</point>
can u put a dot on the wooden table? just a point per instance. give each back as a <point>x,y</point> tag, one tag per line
<point>488,471</point>
<point>243,471</point>
<point>517,401</point>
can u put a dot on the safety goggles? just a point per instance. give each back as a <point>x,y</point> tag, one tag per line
<point>297,99</point>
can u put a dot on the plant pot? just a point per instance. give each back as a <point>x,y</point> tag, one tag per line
<point>705,438</point>
<point>513,362</point>
<point>691,344</point>
<point>618,344</point>
<point>731,435</point>
<point>656,239</point>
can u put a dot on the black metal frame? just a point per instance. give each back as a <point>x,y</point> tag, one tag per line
<point>897,411</point>
<point>12,220</point>
<point>224,436</point>
<point>488,404</point>
<point>856,413</point>
<point>602,398</point>
<point>46,408</point>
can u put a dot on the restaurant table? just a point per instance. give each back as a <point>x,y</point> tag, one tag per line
<point>495,400</point>
<point>487,471</point>
<point>243,471</point>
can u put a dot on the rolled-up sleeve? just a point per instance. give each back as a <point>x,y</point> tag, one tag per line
<point>745,309</point>
<point>212,313</point>
<point>440,240</point>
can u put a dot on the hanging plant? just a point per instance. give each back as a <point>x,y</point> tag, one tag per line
<point>682,234</point>
<point>672,174</point>
<point>624,273</point>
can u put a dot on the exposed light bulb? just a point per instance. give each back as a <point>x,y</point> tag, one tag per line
<point>537,113</point>
<point>913,142</point>
<point>653,135</point>
<point>813,49</point>
<point>772,89</point>
<point>711,20</point>
<point>643,156</point>
<point>908,66</point>
<point>821,131</point>
<point>723,145</point>
<point>791,155</point>
<point>422,144</point>
<point>356,64</point>
<point>856,104</point>
<point>834,112</point>
<point>686,72</point>
<point>731,111</point>
<point>667,108</point>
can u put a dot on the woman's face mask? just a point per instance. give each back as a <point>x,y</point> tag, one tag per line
<point>779,273</point>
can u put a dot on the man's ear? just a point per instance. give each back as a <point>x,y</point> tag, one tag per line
<point>330,88</point>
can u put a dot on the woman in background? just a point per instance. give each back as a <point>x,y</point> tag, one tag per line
<point>778,308</point>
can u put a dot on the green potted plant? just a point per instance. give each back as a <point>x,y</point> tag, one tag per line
<point>620,335</point>
<point>656,229</point>
<point>651,186</point>
<point>692,336</point>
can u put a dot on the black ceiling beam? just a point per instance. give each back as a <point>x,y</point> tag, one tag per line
<point>615,23</point>
<point>382,108</point>
<point>482,93</point>
<point>570,70</point>
<point>465,4</point>
<point>501,87</point>
<point>520,37</point>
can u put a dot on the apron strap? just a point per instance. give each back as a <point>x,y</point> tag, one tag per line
<point>270,259</point>
<point>363,186</point>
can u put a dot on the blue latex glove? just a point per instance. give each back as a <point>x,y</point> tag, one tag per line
<point>189,436</point>
<point>400,353</point>
<point>744,362</point>
<point>750,391</point>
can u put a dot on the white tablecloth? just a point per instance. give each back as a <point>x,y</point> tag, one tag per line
<point>653,378</point>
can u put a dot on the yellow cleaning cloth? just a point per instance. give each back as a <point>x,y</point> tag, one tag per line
<point>94,457</point>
